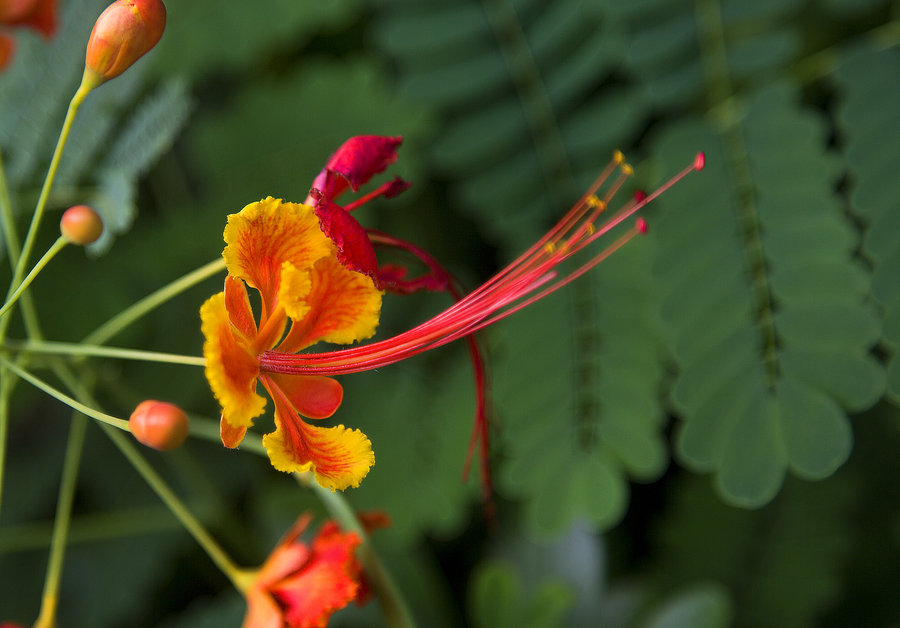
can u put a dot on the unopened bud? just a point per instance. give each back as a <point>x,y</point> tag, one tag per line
<point>81,225</point>
<point>123,33</point>
<point>159,424</point>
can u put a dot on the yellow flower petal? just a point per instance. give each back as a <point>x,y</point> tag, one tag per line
<point>231,368</point>
<point>344,307</point>
<point>264,235</point>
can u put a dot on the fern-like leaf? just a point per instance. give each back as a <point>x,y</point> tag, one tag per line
<point>767,371</point>
<point>871,105</point>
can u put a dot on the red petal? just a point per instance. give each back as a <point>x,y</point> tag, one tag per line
<point>355,251</point>
<point>357,160</point>
<point>7,46</point>
<point>313,396</point>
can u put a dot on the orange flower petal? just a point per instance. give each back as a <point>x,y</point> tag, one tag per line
<point>338,457</point>
<point>238,305</point>
<point>262,611</point>
<point>231,436</point>
<point>344,307</point>
<point>313,396</point>
<point>265,235</point>
<point>231,368</point>
<point>326,585</point>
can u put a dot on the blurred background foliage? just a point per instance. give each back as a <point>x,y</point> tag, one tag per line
<point>701,433</point>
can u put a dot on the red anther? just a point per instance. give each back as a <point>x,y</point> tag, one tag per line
<point>699,161</point>
<point>641,225</point>
<point>639,195</point>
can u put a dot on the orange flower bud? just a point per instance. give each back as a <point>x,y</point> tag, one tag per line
<point>81,225</point>
<point>159,425</point>
<point>123,33</point>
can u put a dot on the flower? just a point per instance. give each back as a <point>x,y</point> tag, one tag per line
<point>300,585</point>
<point>278,249</point>
<point>314,262</point>
<point>37,14</point>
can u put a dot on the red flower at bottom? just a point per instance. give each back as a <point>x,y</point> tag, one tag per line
<point>300,585</point>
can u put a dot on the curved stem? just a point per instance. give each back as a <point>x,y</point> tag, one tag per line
<point>47,616</point>
<point>76,349</point>
<point>69,401</point>
<point>28,245</point>
<point>57,246</point>
<point>240,578</point>
<point>130,314</point>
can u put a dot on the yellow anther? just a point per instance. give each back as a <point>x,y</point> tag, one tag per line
<point>550,247</point>
<point>627,170</point>
<point>618,157</point>
<point>590,228</point>
<point>596,203</point>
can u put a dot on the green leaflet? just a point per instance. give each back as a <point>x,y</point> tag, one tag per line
<point>765,364</point>
<point>577,403</point>
<point>868,107</point>
<point>496,600</point>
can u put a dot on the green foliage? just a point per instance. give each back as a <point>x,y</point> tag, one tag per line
<point>869,105</point>
<point>801,538</point>
<point>496,600</point>
<point>594,419</point>
<point>765,368</point>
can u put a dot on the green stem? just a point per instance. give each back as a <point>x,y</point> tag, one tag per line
<point>69,401</point>
<point>66,348</point>
<point>58,246</point>
<point>30,238</point>
<point>240,578</point>
<point>5,392</point>
<point>47,616</point>
<point>393,606</point>
<point>127,316</point>
<point>11,235</point>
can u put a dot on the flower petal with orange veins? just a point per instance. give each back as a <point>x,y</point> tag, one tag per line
<point>313,396</point>
<point>231,436</point>
<point>344,307</point>
<point>338,456</point>
<point>326,585</point>
<point>295,287</point>
<point>238,305</point>
<point>263,236</point>
<point>231,368</point>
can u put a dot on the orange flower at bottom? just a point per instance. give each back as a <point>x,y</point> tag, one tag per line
<point>300,586</point>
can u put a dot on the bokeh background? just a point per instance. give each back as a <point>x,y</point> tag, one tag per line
<point>701,433</point>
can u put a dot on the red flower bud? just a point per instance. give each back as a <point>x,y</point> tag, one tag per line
<point>159,425</point>
<point>81,225</point>
<point>123,33</point>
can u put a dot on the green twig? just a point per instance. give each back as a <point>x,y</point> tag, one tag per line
<point>66,348</point>
<point>127,316</point>
<point>11,299</point>
<point>47,616</point>
<point>61,396</point>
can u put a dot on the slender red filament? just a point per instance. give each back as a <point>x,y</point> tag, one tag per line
<point>532,276</point>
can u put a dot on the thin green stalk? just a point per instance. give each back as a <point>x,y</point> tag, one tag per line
<point>240,578</point>
<point>30,238</point>
<point>106,419</point>
<point>11,235</point>
<point>11,299</point>
<point>50,598</point>
<point>127,316</point>
<point>393,606</point>
<point>67,348</point>
<point>5,391</point>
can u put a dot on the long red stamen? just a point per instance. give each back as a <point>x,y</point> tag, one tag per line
<point>530,277</point>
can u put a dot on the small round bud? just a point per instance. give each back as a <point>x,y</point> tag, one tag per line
<point>159,425</point>
<point>81,225</point>
<point>123,33</point>
<point>641,226</point>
